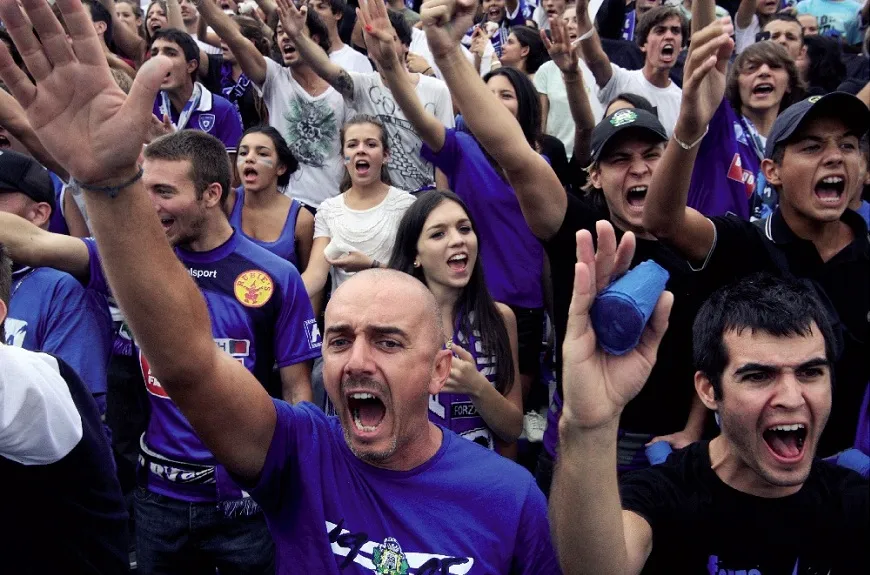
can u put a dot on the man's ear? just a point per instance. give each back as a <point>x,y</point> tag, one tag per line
<point>100,27</point>
<point>704,388</point>
<point>39,213</point>
<point>440,371</point>
<point>771,172</point>
<point>595,178</point>
<point>212,195</point>
<point>192,65</point>
<point>3,311</point>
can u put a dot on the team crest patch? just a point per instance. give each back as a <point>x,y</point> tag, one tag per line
<point>813,99</point>
<point>389,558</point>
<point>253,288</point>
<point>623,117</point>
<point>206,122</point>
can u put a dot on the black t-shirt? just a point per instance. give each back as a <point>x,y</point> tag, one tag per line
<point>554,150</point>
<point>743,248</point>
<point>663,404</point>
<point>701,525</point>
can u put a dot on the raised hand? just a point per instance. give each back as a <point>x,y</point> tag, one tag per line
<point>562,52</point>
<point>704,77</point>
<point>596,385</point>
<point>446,22</point>
<point>479,38</point>
<point>77,110</point>
<point>464,376</point>
<point>292,19</point>
<point>378,32</point>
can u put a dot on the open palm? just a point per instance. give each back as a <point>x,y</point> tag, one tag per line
<point>597,385</point>
<point>378,30</point>
<point>292,19</point>
<point>80,115</point>
<point>562,52</point>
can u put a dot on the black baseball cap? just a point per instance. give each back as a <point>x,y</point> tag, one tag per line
<point>836,104</point>
<point>20,173</point>
<point>624,119</point>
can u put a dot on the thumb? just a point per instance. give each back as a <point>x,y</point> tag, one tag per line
<point>140,100</point>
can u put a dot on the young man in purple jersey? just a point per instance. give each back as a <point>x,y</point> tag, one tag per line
<point>379,489</point>
<point>259,315</point>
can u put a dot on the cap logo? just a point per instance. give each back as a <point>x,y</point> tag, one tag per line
<point>623,117</point>
<point>813,99</point>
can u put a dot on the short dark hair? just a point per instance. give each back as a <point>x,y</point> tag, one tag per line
<point>481,316</point>
<point>99,13</point>
<point>655,17</point>
<point>825,68</point>
<point>637,101</point>
<point>531,39</point>
<point>285,155</point>
<point>786,17</point>
<point>206,154</point>
<point>528,102</point>
<point>779,306</point>
<point>252,29</point>
<point>317,28</point>
<point>184,41</point>
<point>337,6</point>
<point>775,56</point>
<point>5,284</point>
<point>400,25</point>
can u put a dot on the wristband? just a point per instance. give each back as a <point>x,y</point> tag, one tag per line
<point>686,146</point>
<point>111,191</point>
<point>587,34</point>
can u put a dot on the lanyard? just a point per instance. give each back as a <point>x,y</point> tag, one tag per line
<point>189,107</point>
<point>750,130</point>
<point>20,281</point>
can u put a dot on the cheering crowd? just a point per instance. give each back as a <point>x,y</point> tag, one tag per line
<point>495,286</point>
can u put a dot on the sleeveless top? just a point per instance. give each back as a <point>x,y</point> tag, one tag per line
<point>285,246</point>
<point>455,411</point>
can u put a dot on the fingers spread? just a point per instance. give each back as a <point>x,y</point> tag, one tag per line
<point>15,79</point>
<point>20,29</point>
<point>140,100</point>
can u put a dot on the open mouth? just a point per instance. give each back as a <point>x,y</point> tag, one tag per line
<point>830,189</point>
<point>4,142</point>
<point>668,51</point>
<point>786,442</point>
<point>762,89</point>
<point>249,173</point>
<point>458,263</point>
<point>362,167</point>
<point>494,14</point>
<point>636,196</point>
<point>287,49</point>
<point>366,410</point>
<point>166,222</point>
<point>155,26</point>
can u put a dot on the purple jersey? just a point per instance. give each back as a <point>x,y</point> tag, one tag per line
<point>455,411</point>
<point>464,511</point>
<point>725,171</point>
<point>206,112</point>
<point>260,314</point>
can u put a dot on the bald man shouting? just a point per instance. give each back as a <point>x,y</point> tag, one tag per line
<point>379,489</point>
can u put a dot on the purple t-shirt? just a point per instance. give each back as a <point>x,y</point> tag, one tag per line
<point>464,511</point>
<point>211,114</point>
<point>260,314</point>
<point>513,258</point>
<point>725,170</point>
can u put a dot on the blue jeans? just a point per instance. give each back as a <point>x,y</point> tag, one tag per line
<point>174,536</point>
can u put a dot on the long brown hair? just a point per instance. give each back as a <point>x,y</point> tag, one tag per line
<point>346,182</point>
<point>773,55</point>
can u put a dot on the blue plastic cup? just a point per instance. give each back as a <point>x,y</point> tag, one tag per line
<point>658,452</point>
<point>622,309</point>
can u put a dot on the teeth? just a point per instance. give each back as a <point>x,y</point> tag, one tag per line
<point>792,427</point>
<point>359,425</point>
<point>362,396</point>
<point>638,189</point>
<point>833,180</point>
<point>458,258</point>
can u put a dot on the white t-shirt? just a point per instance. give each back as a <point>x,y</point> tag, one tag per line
<point>372,231</point>
<point>351,60</point>
<point>206,47</point>
<point>408,170</point>
<point>311,125</point>
<point>560,124</point>
<point>665,100</point>
<point>39,421</point>
<point>745,37</point>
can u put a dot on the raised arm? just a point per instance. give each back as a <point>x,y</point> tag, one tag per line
<point>127,40</point>
<point>665,213</point>
<point>593,53</point>
<point>703,14</point>
<point>377,26</point>
<point>592,533</point>
<point>29,245</point>
<point>292,19</point>
<point>541,195</point>
<point>253,63</point>
<point>173,15</point>
<point>566,57</point>
<point>745,11</point>
<point>13,118</point>
<point>86,122</point>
